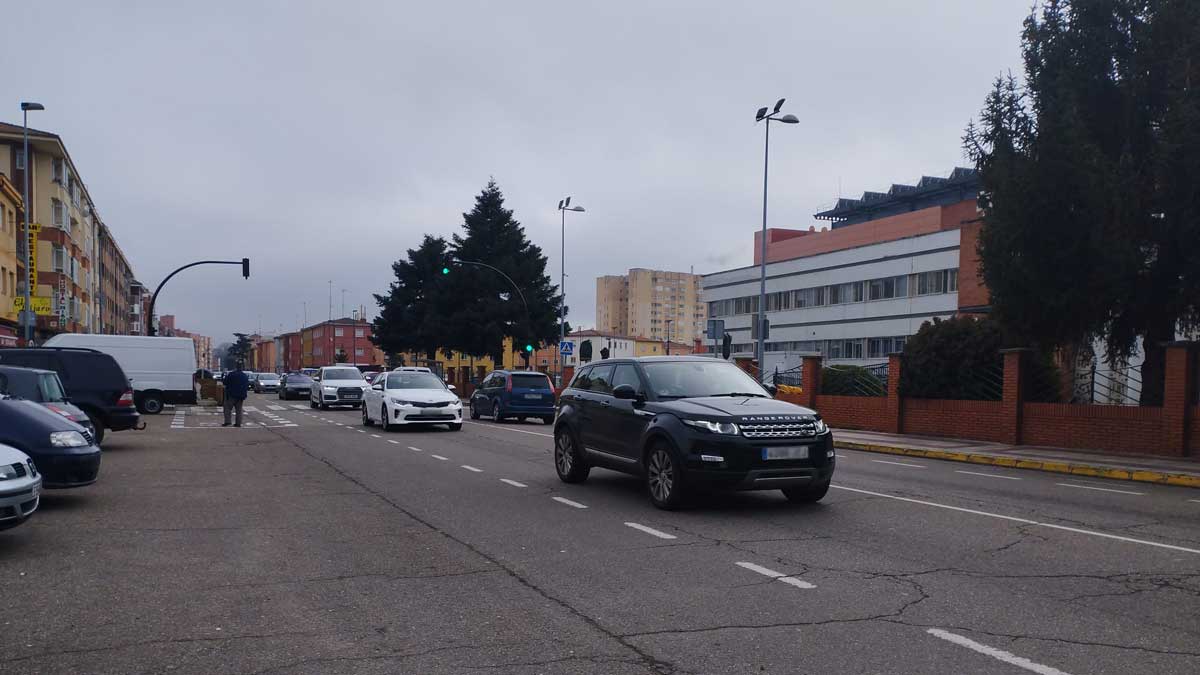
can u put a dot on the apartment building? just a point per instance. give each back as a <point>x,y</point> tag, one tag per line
<point>652,304</point>
<point>856,291</point>
<point>114,278</point>
<point>69,244</point>
<point>11,268</point>
<point>322,343</point>
<point>203,343</point>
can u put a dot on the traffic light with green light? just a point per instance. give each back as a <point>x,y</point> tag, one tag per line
<point>445,270</point>
<point>529,348</point>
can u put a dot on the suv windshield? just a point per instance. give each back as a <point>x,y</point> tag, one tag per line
<point>341,374</point>
<point>530,381</point>
<point>413,381</point>
<point>51,389</point>
<point>691,379</point>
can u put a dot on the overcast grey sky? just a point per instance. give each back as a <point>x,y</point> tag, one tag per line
<point>322,139</point>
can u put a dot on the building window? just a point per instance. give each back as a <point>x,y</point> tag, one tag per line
<point>59,171</point>
<point>338,332</point>
<point>318,333</point>
<point>317,351</point>
<point>59,258</point>
<point>60,213</point>
<point>358,351</point>
<point>360,332</point>
<point>19,157</point>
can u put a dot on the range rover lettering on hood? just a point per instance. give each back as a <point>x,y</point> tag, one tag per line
<point>777,418</point>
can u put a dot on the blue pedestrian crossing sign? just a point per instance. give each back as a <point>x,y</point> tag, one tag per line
<point>566,348</point>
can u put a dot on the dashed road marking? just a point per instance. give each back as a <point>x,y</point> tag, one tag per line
<point>519,431</point>
<point>884,461</point>
<point>393,441</point>
<point>1014,519</point>
<point>415,449</point>
<point>987,475</point>
<point>778,576</point>
<point>568,502</point>
<point>468,467</point>
<point>444,459</point>
<point>650,531</point>
<point>512,482</point>
<point>998,654</point>
<point>275,407</point>
<point>1194,500</point>
<point>1089,487</point>
<point>375,436</point>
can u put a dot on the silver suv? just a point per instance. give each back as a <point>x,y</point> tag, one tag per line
<point>337,385</point>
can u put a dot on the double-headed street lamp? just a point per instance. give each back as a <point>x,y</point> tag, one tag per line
<point>28,315</point>
<point>564,205</point>
<point>763,116</point>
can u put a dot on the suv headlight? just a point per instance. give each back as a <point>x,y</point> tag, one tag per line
<point>67,439</point>
<point>327,387</point>
<point>8,471</point>
<point>727,428</point>
<point>820,425</point>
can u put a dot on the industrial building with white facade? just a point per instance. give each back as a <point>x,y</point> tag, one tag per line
<point>856,291</point>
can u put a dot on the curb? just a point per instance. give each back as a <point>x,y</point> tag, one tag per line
<point>1177,479</point>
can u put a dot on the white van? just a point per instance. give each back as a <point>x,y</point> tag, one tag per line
<point>160,369</point>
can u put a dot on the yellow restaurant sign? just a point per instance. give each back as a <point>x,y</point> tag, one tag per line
<point>41,305</point>
<point>31,246</point>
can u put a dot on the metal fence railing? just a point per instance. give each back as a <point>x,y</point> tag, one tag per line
<point>1111,386</point>
<point>792,377</point>
<point>845,380</point>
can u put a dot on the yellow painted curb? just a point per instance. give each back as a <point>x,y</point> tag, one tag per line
<point>1179,479</point>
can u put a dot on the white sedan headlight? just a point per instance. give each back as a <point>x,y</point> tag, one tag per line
<point>67,439</point>
<point>8,471</point>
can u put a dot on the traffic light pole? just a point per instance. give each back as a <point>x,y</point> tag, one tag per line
<point>244,262</point>
<point>528,323</point>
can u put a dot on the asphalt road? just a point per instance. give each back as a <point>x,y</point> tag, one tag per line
<point>306,543</point>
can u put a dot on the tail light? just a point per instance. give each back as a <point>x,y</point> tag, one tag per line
<point>126,399</point>
<point>508,383</point>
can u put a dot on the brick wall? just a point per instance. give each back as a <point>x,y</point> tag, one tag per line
<point>977,420</point>
<point>1194,443</point>
<point>868,413</point>
<point>1115,428</point>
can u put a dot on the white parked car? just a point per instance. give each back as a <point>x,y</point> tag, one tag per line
<point>411,397</point>
<point>337,385</point>
<point>20,487</point>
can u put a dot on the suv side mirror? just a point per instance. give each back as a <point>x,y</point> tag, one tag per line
<point>377,387</point>
<point>771,389</point>
<point>450,387</point>
<point>625,392</point>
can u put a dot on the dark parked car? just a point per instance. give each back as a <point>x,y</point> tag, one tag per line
<point>295,385</point>
<point>42,386</point>
<point>63,452</point>
<point>518,394</point>
<point>689,422</point>
<point>93,380</point>
<point>265,382</point>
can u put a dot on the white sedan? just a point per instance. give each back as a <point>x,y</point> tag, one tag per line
<point>407,397</point>
<point>20,487</point>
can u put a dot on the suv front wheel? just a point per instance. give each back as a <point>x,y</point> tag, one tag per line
<point>664,482</point>
<point>808,494</point>
<point>568,458</point>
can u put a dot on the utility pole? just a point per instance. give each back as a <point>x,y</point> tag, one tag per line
<point>30,237</point>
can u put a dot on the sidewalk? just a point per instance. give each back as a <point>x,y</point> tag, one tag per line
<point>1182,472</point>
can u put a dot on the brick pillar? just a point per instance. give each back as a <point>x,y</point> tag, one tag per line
<point>1177,397</point>
<point>1014,394</point>
<point>810,380</point>
<point>894,422</point>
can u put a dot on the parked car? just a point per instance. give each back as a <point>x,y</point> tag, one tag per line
<point>42,386</point>
<point>411,369</point>
<point>295,385</point>
<point>94,382</point>
<point>160,369</point>
<point>411,398</point>
<point>337,385</point>
<point>507,394</point>
<point>265,383</point>
<point>311,372</point>
<point>64,453</point>
<point>20,487</point>
<point>685,423</point>
<point>369,375</point>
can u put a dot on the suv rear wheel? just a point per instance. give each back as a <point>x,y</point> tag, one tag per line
<point>664,483</point>
<point>568,460</point>
<point>807,494</point>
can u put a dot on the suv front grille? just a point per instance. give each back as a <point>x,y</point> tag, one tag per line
<point>439,404</point>
<point>780,430</point>
<point>349,392</point>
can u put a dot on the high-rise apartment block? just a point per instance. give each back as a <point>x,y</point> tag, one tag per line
<point>651,304</point>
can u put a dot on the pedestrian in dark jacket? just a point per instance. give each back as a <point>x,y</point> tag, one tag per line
<point>237,387</point>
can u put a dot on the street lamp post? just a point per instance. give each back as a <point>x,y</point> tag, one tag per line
<point>669,322</point>
<point>564,205</point>
<point>761,317</point>
<point>28,314</point>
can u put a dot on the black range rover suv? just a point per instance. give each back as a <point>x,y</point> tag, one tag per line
<point>685,423</point>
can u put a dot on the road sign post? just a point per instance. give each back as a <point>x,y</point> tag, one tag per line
<point>566,348</point>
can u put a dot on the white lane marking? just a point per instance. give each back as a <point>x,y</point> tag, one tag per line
<point>1089,487</point>
<point>375,436</point>
<point>415,449</point>
<point>650,531</point>
<point>568,502</point>
<point>360,431</point>
<point>1026,521</point>
<point>393,442</point>
<point>988,475</point>
<point>444,459</point>
<point>1194,500</point>
<point>513,482</point>
<point>767,572</point>
<point>998,654</point>
<point>884,461</point>
<point>519,431</point>
<point>468,467</point>
<point>275,407</point>
<point>841,457</point>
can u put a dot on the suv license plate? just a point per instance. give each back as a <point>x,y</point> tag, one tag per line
<point>533,396</point>
<point>786,452</point>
